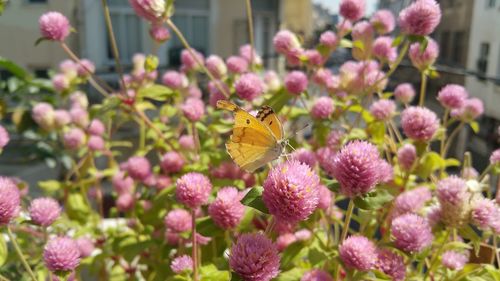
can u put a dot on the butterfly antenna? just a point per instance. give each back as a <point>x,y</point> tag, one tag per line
<point>288,143</point>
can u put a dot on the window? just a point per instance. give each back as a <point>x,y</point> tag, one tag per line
<point>458,43</point>
<point>490,3</point>
<point>482,62</point>
<point>445,40</point>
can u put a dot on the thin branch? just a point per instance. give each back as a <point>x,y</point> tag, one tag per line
<point>250,31</point>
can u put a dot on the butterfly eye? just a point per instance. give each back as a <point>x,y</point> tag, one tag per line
<point>248,121</point>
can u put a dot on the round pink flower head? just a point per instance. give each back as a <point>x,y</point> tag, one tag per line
<point>193,190</point>
<point>79,116</point>
<point>125,202</point>
<point>215,93</point>
<point>469,173</point>
<point>194,91</point>
<point>316,275</point>
<point>44,211</point>
<point>254,258</point>
<point>43,114</point>
<point>216,66</point>
<point>187,142</point>
<point>4,137</point>
<point>484,212</point>
<point>96,128</point>
<point>74,138</point>
<point>386,172</point>
<point>86,246</point>
<point>383,110</point>
<point>249,86</point>
<point>453,196</point>
<point>291,191</point>
<point>471,109</point>
<point>54,26</point>
<point>420,18</point>
<point>383,21</point>
<point>433,215</point>
<point>352,10</point>
<point>452,96</point>
<point>404,93</point>
<point>96,143</point>
<point>175,80</point>
<point>419,123</point>
<point>237,65</point>
<point>411,201</point>
<point>358,252</point>
<point>85,68</point>
<point>61,118</point>
<point>328,39</point>
<point>407,154</point>
<point>303,234</point>
<point>79,99</point>
<point>391,264</point>
<point>182,264</point>
<point>227,210</point>
<point>305,156</point>
<point>172,162</point>
<point>151,10</point>
<point>383,50</point>
<point>495,157</point>
<point>189,62</point>
<point>159,33</point>
<point>285,240</point>
<point>296,82</point>
<point>61,254</point>
<point>322,108</point>
<point>334,139</point>
<point>193,109</point>
<point>272,81</point>
<point>411,233</point>
<point>10,200</point>
<point>325,197</point>
<point>250,55</point>
<point>122,184</point>
<point>356,167</point>
<point>454,260</point>
<point>422,60</point>
<point>286,42</point>
<point>138,168</point>
<point>178,220</point>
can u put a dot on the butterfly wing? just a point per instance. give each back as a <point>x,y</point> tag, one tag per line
<point>267,116</point>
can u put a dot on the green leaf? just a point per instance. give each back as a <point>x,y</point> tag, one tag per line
<point>155,92</point>
<point>316,256</point>
<point>358,44</point>
<point>291,275</point>
<point>373,200</point>
<point>278,100</point>
<point>50,186</point>
<point>474,125</point>
<point>430,162</point>
<point>494,272</point>
<point>77,209</point>
<point>40,40</point>
<point>290,253</point>
<point>236,277</point>
<point>333,185</point>
<point>3,251</point>
<point>452,162</point>
<point>377,131</point>
<point>345,43</point>
<point>206,227</point>
<point>211,273</point>
<point>398,40</point>
<point>13,68</point>
<point>253,199</point>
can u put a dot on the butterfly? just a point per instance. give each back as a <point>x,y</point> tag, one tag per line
<point>257,140</point>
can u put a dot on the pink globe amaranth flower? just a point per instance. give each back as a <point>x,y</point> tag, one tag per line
<point>122,184</point>
<point>194,91</point>
<point>484,212</point>
<point>452,190</point>
<point>469,173</point>
<point>316,275</point>
<point>86,246</point>
<point>282,227</point>
<point>291,191</point>
<point>68,68</point>
<point>454,260</point>
<point>391,264</point>
<point>285,240</point>
<point>452,96</point>
<point>322,77</point>
<point>305,156</point>
<point>296,82</point>
<point>495,157</point>
<point>44,211</point>
<point>383,21</point>
<point>383,110</point>
<point>324,155</point>
<point>407,155</point>
<point>334,139</point>
<point>96,143</point>
<point>202,240</point>
<point>419,123</point>
<point>215,93</point>
<point>328,39</point>
<point>216,66</point>
<point>352,10</point>
<point>138,168</point>
<point>249,86</point>
<point>96,127</point>
<point>85,68</point>
<point>386,172</point>
<point>78,99</point>
<point>314,57</point>
<point>4,137</point>
<point>178,220</point>
<point>182,264</point>
<point>362,32</point>
<point>54,26</point>
<point>151,10</point>
<point>61,118</point>
<point>125,202</point>
<point>322,108</point>
<point>411,233</point>
<point>356,168</point>
<point>10,200</point>
<point>411,201</point>
<point>404,93</point>
<point>193,190</point>
<point>175,80</point>
<point>358,252</point>
<point>285,42</point>
<point>422,60</point>
<point>190,63</point>
<point>193,109</point>
<point>162,182</point>
<point>471,109</point>
<point>272,81</point>
<point>229,170</point>
<point>383,50</point>
<point>172,238</point>
<point>254,258</point>
<point>74,138</point>
<point>43,114</point>
<point>420,18</point>
<point>433,215</point>
<point>61,254</point>
<point>303,234</point>
<point>159,33</point>
<point>250,54</point>
<point>227,210</point>
<point>187,142</point>
<point>79,117</point>
<point>237,65</point>
<point>325,197</point>
<point>172,162</point>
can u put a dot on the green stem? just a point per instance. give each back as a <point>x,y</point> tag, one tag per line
<point>3,278</point>
<point>423,86</point>
<point>484,173</point>
<point>345,230</point>
<point>194,252</point>
<point>250,31</point>
<point>437,255</point>
<point>20,254</point>
<point>453,134</point>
